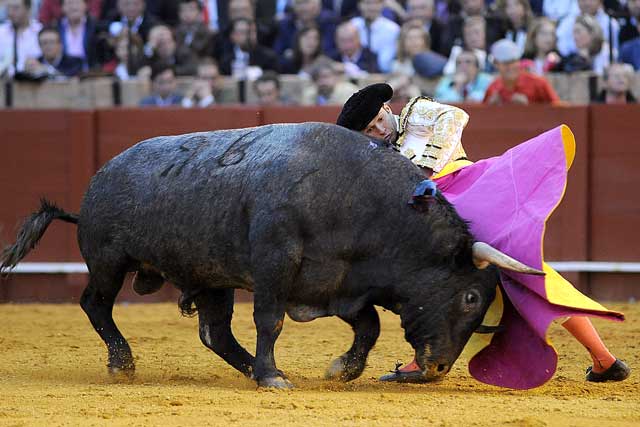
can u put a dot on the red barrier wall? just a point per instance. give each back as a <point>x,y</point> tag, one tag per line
<point>118,129</point>
<point>45,154</point>
<point>54,153</point>
<point>614,227</point>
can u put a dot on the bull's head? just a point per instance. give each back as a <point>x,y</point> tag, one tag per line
<point>448,306</point>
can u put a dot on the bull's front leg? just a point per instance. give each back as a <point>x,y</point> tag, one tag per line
<point>215,310</point>
<point>366,327</point>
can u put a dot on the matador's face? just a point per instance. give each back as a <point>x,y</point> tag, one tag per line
<point>383,126</point>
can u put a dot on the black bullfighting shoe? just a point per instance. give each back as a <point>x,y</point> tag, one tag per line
<point>619,371</point>
<point>399,376</point>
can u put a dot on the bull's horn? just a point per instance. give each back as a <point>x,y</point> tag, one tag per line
<point>484,254</point>
<point>485,329</point>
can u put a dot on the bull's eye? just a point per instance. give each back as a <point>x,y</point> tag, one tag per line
<point>471,299</point>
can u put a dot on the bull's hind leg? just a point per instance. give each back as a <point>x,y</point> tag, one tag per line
<point>268,315</point>
<point>366,327</point>
<point>215,310</point>
<point>97,302</point>
<point>275,263</point>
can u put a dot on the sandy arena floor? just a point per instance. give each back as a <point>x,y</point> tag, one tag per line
<point>52,372</point>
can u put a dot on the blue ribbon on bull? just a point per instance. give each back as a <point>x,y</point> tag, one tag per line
<point>425,191</point>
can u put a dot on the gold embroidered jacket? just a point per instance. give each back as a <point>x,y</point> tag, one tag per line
<point>430,133</point>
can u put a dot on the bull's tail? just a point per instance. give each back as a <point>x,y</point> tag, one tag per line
<point>32,231</point>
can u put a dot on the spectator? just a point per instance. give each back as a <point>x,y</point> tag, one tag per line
<point>242,57</point>
<point>123,66</point>
<point>78,33</point>
<point>341,8</point>
<point>131,14</point>
<point>445,8</point>
<point>165,11</point>
<point>240,9</point>
<point>593,8</point>
<point>377,33</point>
<point>403,88</point>
<point>206,88</point>
<point>228,11</point>
<point>192,34</point>
<point>347,9</point>
<point>307,13</point>
<point>424,12</point>
<point>267,89</point>
<point>618,79</point>
<point>164,85</point>
<point>305,51</point>
<point>467,84</point>
<point>162,49</point>
<point>329,88</point>
<point>53,64</point>
<point>271,11</point>
<point>358,61</point>
<point>589,54</point>
<point>519,18</point>
<point>536,7</point>
<point>495,26</point>
<point>24,40</point>
<point>266,26</point>
<point>51,11</point>
<point>395,11</point>
<point>557,10</point>
<point>214,13</point>
<point>630,51</point>
<point>474,38</point>
<point>414,41</point>
<point>540,50</point>
<point>515,85</point>
<point>629,24</point>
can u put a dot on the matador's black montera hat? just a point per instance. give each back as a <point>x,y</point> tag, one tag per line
<point>363,106</point>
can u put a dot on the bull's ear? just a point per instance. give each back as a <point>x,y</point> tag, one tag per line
<point>424,192</point>
<point>484,254</point>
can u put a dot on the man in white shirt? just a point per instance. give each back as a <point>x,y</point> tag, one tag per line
<point>14,51</point>
<point>556,10</point>
<point>378,33</point>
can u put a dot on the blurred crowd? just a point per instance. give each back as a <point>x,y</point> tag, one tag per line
<point>496,52</point>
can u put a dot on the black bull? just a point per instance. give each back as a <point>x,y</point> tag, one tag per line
<point>312,218</point>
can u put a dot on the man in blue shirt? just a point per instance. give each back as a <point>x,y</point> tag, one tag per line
<point>163,78</point>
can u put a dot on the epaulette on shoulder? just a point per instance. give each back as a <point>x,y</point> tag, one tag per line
<point>406,111</point>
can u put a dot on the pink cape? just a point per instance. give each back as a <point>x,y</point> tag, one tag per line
<point>507,200</point>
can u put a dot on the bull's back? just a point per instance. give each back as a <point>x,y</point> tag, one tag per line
<point>194,196</point>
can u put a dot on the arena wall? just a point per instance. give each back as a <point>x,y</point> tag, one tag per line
<point>54,154</point>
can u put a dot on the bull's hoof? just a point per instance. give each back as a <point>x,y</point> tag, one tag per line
<point>121,373</point>
<point>275,382</point>
<point>340,370</point>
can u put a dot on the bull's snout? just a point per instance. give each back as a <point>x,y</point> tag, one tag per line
<point>432,370</point>
<point>435,371</point>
